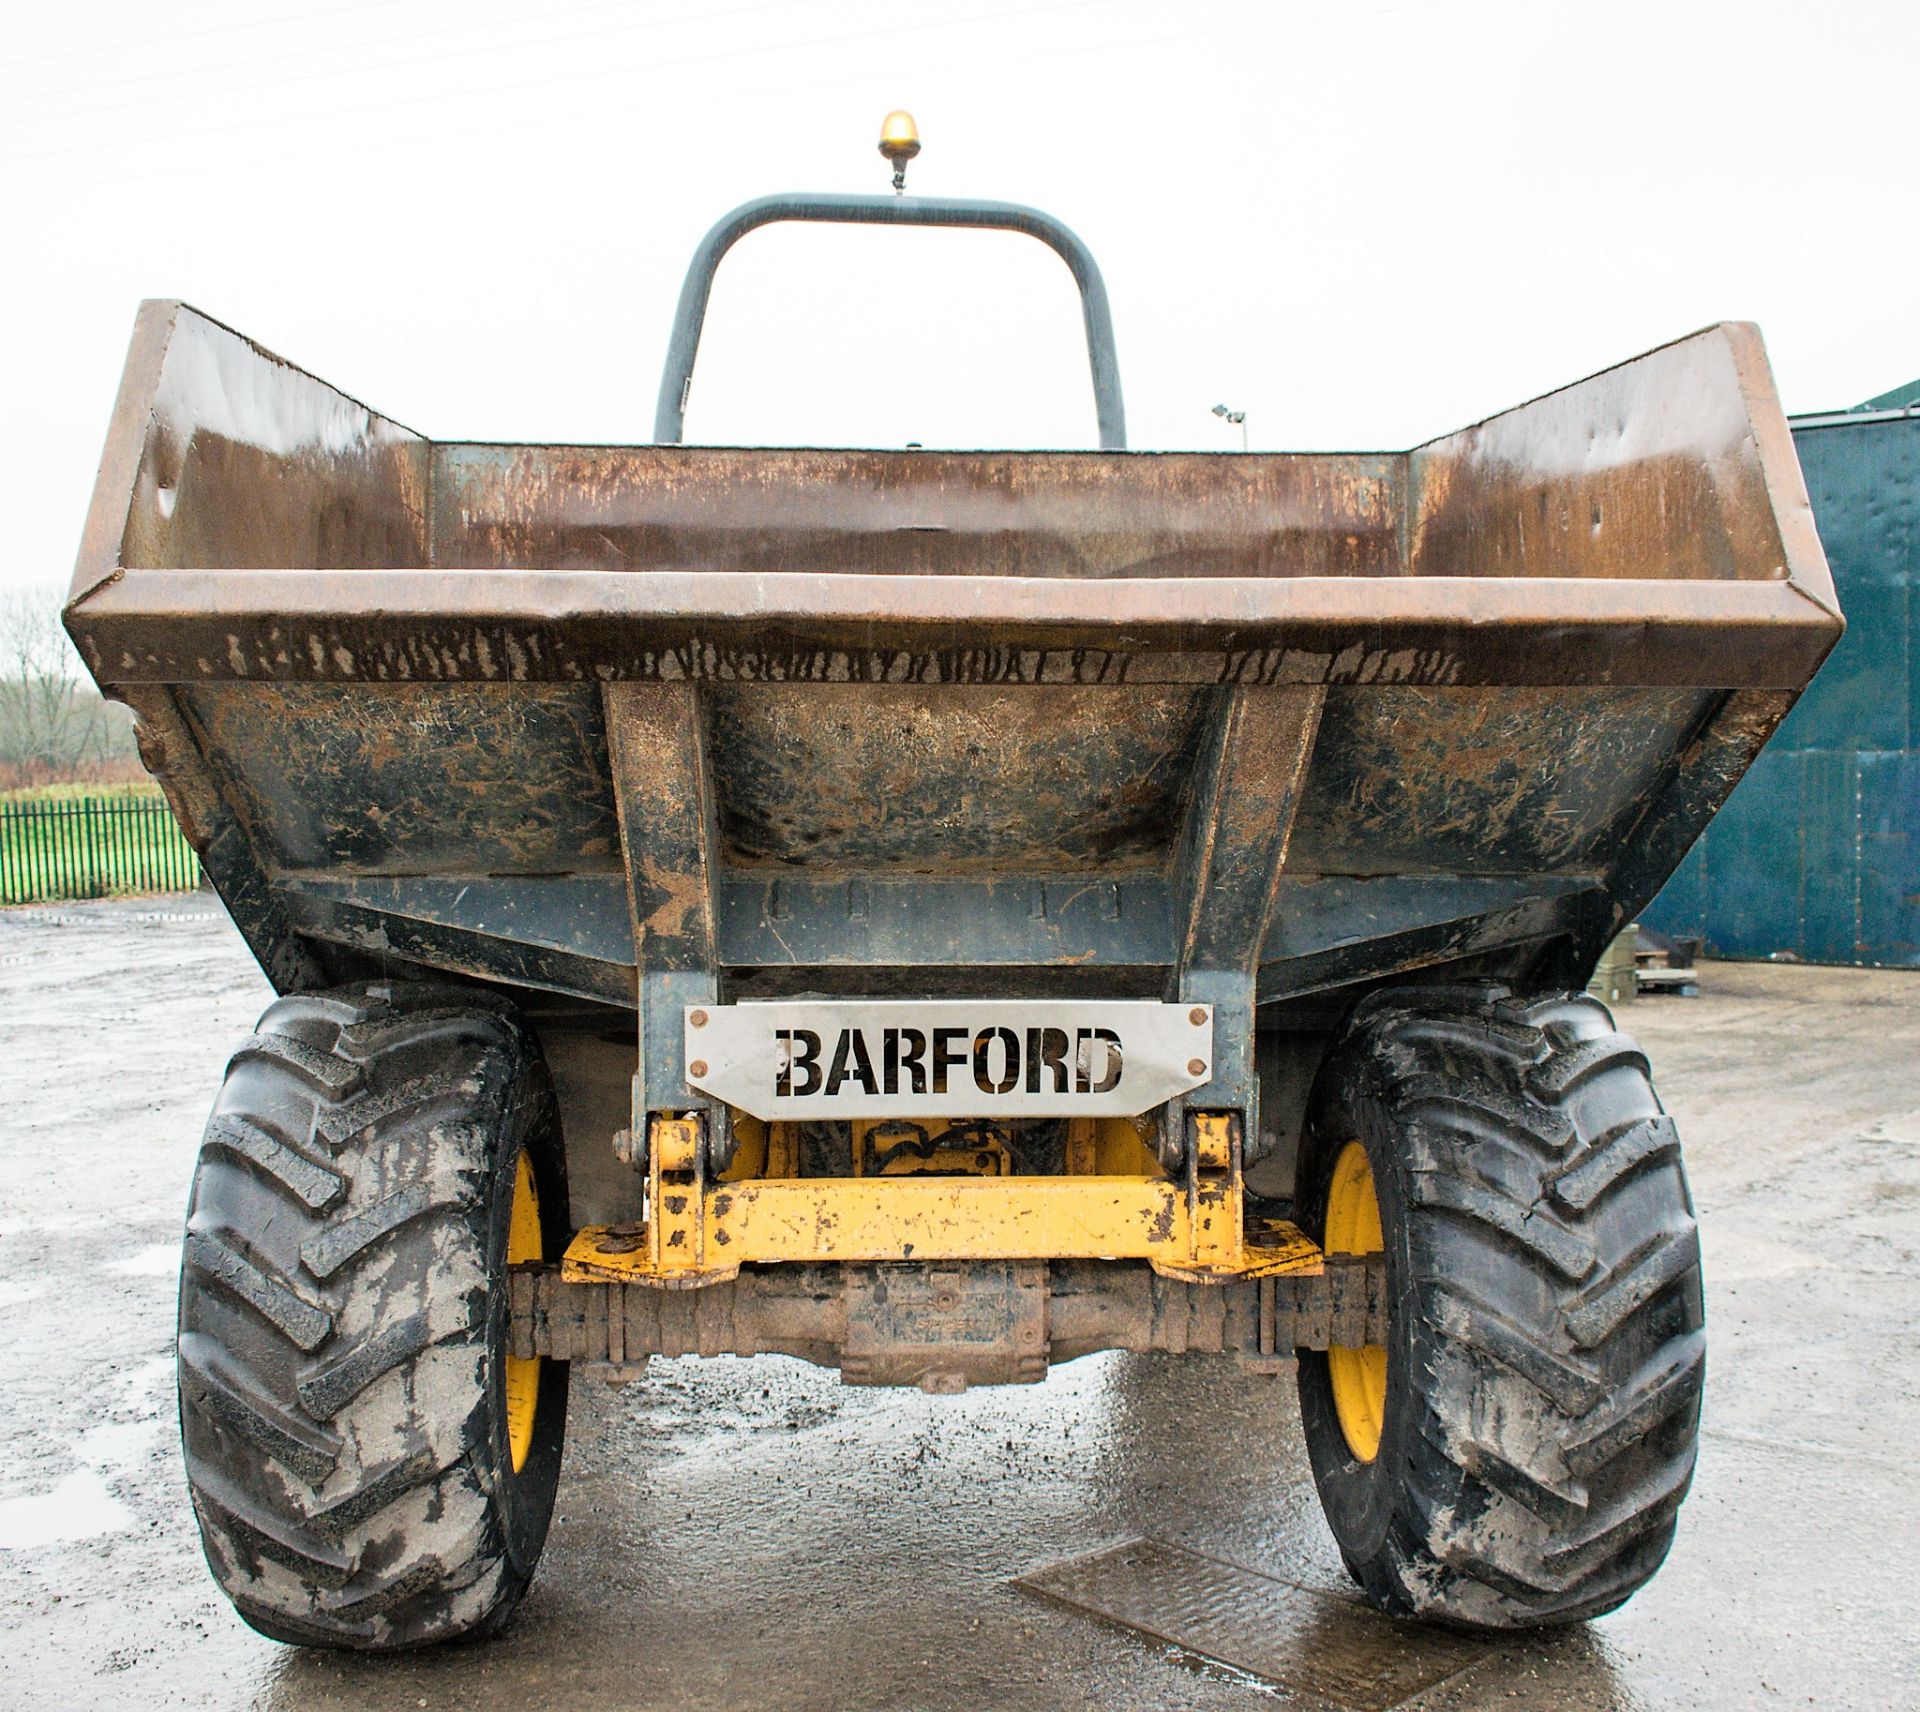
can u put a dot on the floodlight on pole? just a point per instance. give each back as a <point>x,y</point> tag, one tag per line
<point>1237,417</point>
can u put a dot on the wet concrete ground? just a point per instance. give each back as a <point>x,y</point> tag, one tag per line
<point>751,1534</point>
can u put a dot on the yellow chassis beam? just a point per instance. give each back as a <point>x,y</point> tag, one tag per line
<point>702,1232</point>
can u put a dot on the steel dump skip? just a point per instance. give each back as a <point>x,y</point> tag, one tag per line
<point>876,722</point>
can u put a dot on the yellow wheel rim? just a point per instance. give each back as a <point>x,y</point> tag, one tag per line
<point>1359,1375</point>
<point>523,1373</point>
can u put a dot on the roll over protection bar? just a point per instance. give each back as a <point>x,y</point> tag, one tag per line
<point>669,418</point>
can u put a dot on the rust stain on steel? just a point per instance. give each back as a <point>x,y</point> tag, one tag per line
<point>1032,514</point>
<point>535,625</point>
<point>253,523</point>
<point>411,779</point>
<point>248,461</point>
<point>680,909</point>
<point>1242,824</point>
<point>905,779</point>
<point>802,1310</point>
<point>397,657</point>
<point>1700,776</point>
<point>657,739</point>
<point>167,751</point>
<point>1509,780</point>
<point>215,824</point>
<point>1604,471</point>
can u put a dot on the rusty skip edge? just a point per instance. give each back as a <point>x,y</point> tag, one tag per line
<point>250,522</point>
<point>428,626</point>
<point>994,1322</point>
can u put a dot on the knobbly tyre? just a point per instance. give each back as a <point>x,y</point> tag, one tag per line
<point>939,914</point>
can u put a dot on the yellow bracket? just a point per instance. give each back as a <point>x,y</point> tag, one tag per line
<point>703,1232</point>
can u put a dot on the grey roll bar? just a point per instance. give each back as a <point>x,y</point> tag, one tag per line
<point>670,414</point>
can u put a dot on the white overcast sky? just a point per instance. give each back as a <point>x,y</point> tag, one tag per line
<point>1364,223</point>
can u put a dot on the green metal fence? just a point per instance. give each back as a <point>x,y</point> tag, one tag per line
<point>52,850</point>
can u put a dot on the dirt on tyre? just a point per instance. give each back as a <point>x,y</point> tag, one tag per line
<point>1515,1454</point>
<point>370,1467</point>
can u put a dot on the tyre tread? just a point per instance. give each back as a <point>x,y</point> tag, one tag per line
<point>309,1279</point>
<point>321,1071</point>
<point>1553,1279</point>
<point>315,1186</point>
<point>302,1323</point>
<point>346,1242</point>
<point>230,1394</point>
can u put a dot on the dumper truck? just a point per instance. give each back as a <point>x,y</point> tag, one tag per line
<point>939,914</point>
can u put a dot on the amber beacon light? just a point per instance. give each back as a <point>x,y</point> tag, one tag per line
<point>899,142</point>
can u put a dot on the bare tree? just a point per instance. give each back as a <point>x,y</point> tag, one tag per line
<point>53,722</point>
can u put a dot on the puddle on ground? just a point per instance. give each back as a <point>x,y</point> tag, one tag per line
<point>78,1508</point>
<point>161,1260</point>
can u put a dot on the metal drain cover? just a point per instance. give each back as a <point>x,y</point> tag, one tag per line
<point>1313,1643</point>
